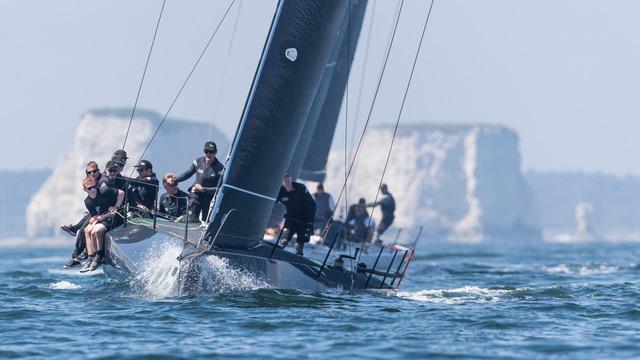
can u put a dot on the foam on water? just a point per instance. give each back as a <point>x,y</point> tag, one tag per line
<point>64,285</point>
<point>584,270</point>
<point>466,294</point>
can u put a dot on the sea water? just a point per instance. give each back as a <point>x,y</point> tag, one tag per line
<point>457,301</point>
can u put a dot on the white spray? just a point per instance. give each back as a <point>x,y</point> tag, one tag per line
<point>160,274</point>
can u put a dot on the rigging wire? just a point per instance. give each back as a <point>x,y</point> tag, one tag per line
<point>404,99</point>
<point>225,72</point>
<point>364,72</point>
<point>184,84</point>
<point>346,117</point>
<point>384,67</point>
<point>357,162</point>
<point>144,73</point>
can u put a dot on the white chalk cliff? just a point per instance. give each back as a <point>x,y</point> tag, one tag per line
<point>463,183</point>
<point>99,134</point>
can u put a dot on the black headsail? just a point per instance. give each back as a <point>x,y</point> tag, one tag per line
<point>300,41</point>
<point>313,148</point>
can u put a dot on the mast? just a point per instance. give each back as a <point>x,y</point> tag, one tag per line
<point>302,36</point>
<point>311,154</point>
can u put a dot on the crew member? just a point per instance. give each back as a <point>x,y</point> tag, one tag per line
<point>208,171</point>
<point>387,207</point>
<point>301,212</point>
<point>324,207</point>
<point>352,209</point>
<point>145,186</point>
<point>113,173</point>
<point>120,157</point>
<point>360,226</point>
<point>174,201</point>
<point>102,205</point>
<point>77,230</point>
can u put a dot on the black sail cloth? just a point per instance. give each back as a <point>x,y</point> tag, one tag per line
<point>302,37</point>
<point>313,147</point>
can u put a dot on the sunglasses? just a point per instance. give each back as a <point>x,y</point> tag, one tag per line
<point>140,170</point>
<point>92,187</point>
<point>112,170</point>
<point>90,172</point>
<point>209,152</point>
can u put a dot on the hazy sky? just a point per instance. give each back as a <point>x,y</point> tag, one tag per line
<point>563,74</point>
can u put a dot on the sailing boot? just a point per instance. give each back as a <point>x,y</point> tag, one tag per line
<point>71,264</point>
<point>299,249</point>
<point>97,261</point>
<point>69,230</point>
<point>82,257</point>
<point>87,265</point>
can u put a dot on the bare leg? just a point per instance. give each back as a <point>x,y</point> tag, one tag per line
<point>91,247</point>
<point>98,232</point>
<point>97,235</point>
<point>89,239</point>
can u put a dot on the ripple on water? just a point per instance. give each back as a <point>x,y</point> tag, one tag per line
<point>508,304</point>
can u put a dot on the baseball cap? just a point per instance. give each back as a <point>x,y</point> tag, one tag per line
<point>144,164</point>
<point>210,146</point>
<point>120,154</point>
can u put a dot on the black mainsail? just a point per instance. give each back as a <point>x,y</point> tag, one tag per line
<point>311,154</point>
<point>301,39</point>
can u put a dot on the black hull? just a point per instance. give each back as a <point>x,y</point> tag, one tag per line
<point>132,246</point>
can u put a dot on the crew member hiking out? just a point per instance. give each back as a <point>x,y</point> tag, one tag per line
<point>301,212</point>
<point>208,171</point>
<point>102,205</point>
<point>77,230</point>
<point>145,186</point>
<point>115,178</point>
<point>387,207</point>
